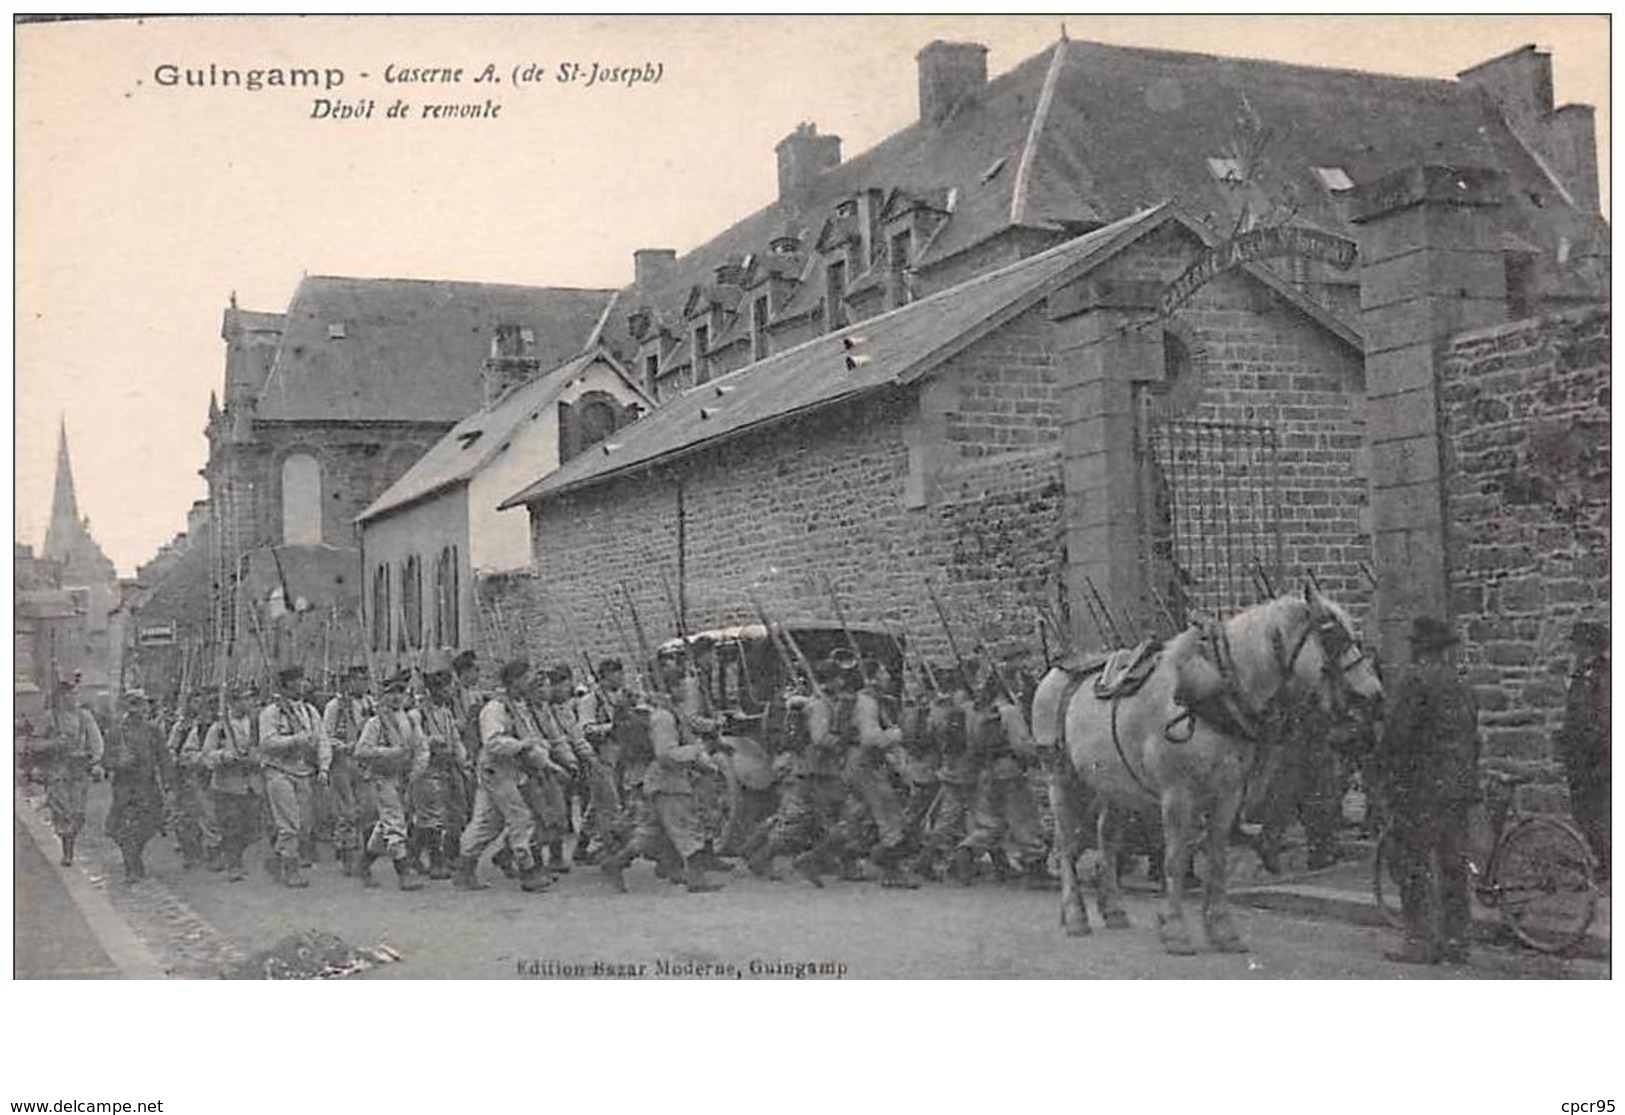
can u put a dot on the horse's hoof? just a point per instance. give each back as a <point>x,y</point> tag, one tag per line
<point>1116,919</point>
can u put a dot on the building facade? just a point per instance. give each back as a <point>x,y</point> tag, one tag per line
<point>432,535</point>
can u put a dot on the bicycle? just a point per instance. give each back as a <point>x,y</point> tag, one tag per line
<point>1536,870</point>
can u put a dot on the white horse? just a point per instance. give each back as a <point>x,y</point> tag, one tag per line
<point>1184,742</point>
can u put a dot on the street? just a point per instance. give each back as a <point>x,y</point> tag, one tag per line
<point>196,924</point>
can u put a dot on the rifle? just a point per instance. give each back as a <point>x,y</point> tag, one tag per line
<point>987,657</point>
<point>923,668</point>
<point>625,643</point>
<point>1371,578</point>
<point>840,615</point>
<point>575,645</point>
<point>953,645</point>
<point>1117,636</point>
<point>259,638</point>
<point>646,655</point>
<point>1263,577</point>
<point>790,643</point>
<point>676,612</point>
<point>1162,606</point>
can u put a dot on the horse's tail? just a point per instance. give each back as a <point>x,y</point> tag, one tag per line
<point>1049,711</point>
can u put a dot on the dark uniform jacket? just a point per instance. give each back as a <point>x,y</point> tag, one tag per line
<point>1583,742</point>
<point>1429,751</point>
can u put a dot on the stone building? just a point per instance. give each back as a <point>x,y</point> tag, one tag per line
<point>435,532</point>
<point>1160,327</point>
<point>327,405</point>
<point>1082,134</point>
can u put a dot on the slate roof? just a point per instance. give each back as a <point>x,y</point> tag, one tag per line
<point>901,346</point>
<point>1084,133</point>
<point>411,349</point>
<point>474,441</point>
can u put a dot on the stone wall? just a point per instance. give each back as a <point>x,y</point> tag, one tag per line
<point>1526,410</point>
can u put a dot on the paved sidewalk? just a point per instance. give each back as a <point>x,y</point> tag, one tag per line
<point>1345,892</point>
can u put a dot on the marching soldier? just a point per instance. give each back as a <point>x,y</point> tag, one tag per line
<point>231,756</point>
<point>293,751</point>
<point>1583,743</point>
<point>948,725</point>
<point>666,821</point>
<point>72,749</point>
<point>921,758</point>
<point>560,723</point>
<point>141,768</point>
<point>467,699</point>
<point>509,742</point>
<point>1428,762</point>
<point>1004,812</point>
<point>872,736</point>
<point>693,690</point>
<point>353,808</point>
<point>388,755</point>
<point>810,808</point>
<point>195,823</point>
<point>437,794</point>
<point>603,714</point>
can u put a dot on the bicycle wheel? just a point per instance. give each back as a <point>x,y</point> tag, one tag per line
<point>1383,883</point>
<point>1543,882</point>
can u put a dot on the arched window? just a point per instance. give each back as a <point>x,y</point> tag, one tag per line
<point>380,608</point>
<point>445,598</point>
<point>301,501</point>
<point>412,603</point>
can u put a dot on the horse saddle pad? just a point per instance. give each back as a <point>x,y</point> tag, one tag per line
<point>1125,670</point>
<point>1118,673</point>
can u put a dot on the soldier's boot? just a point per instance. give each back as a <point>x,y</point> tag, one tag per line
<point>760,861</point>
<point>307,852</point>
<point>555,858</point>
<point>614,867</point>
<point>363,868</point>
<point>405,877</point>
<point>810,866</point>
<point>694,877</point>
<point>293,874</point>
<point>465,876</point>
<point>503,862</point>
<point>438,867</point>
<point>962,869</point>
<point>1035,875</point>
<point>67,850</point>
<point>533,876</point>
<point>892,874</point>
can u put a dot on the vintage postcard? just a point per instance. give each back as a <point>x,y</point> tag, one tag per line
<point>634,498</point>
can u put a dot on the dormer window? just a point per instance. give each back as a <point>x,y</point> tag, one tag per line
<point>1225,170</point>
<point>335,331</point>
<point>758,328</point>
<point>1334,178</point>
<point>785,246</point>
<point>527,336</point>
<point>847,208</point>
<point>702,342</point>
<point>835,293</point>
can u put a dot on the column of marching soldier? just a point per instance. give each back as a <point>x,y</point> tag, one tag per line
<point>848,765</point>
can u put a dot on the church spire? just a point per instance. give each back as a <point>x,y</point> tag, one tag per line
<point>65,527</point>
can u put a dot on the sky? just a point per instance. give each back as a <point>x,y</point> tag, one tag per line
<point>140,207</point>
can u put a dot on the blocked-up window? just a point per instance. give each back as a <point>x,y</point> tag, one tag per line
<point>412,603</point>
<point>380,607</point>
<point>301,501</point>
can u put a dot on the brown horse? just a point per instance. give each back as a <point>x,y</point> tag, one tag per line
<point>1183,744</point>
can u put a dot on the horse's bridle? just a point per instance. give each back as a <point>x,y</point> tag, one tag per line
<point>1327,631</point>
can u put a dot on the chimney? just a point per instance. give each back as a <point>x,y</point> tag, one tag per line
<point>653,266</point>
<point>1573,146</point>
<point>512,362</point>
<point>948,73</point>
<point>1520,82</point>
<point>803,156</point>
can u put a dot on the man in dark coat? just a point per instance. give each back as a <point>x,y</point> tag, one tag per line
<point>1428,765</point>
<point>1583,743</point>
<point>141,767</point>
